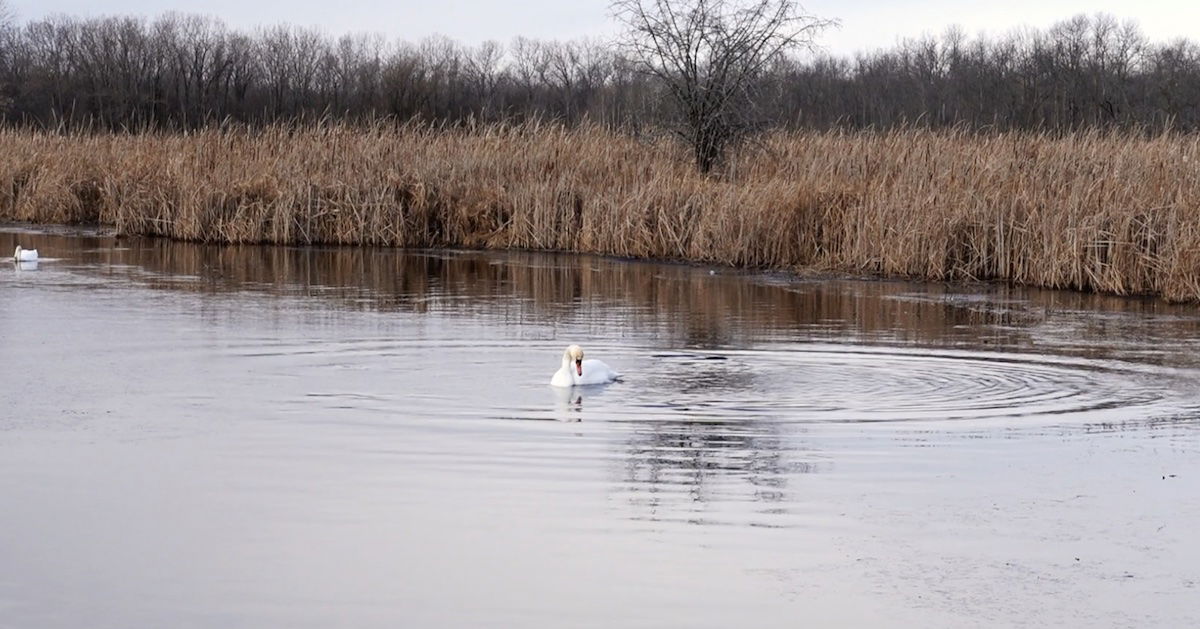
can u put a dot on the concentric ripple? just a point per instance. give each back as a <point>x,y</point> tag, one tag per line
<point>789,383</point>
<point>862,384</point>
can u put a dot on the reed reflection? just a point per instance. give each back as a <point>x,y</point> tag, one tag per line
<point>675,305</point>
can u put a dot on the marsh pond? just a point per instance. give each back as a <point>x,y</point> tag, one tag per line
<point>203,436</point>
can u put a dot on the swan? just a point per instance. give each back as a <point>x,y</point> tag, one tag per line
<point>25,255</point>
<point>576,371</point>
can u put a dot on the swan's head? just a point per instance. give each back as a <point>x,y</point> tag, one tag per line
<point>574,353</point>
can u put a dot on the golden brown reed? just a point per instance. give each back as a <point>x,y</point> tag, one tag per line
<point>1108,212</point>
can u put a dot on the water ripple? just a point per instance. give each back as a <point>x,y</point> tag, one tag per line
<point>783,383</point>
<point>864,384</point>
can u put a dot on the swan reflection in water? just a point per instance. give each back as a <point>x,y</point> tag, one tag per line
<point>691,458</point>
<point>569,401</point>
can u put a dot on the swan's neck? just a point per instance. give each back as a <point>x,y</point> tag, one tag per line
<point>568,365</point>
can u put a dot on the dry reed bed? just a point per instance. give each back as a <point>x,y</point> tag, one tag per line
<point>1114,213</point>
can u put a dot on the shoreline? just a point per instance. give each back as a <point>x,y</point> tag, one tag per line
<point>801,275</point>
<point>1097,213</point>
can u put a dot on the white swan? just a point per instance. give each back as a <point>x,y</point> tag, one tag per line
<point>25,255</point>
<point>576,371</point>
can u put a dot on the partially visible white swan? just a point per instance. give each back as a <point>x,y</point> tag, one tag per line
<point>576,371</point>
<point>25,255</point>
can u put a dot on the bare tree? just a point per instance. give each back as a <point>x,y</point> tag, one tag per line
<point>710,54</point>
<point>6,53</point>
<point>483,74</point>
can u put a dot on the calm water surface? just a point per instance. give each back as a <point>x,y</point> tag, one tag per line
<point>273,437</point>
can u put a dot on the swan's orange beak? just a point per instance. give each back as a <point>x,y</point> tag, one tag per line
<point>579,367</point>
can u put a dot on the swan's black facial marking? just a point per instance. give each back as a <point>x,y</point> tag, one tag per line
<point>579,366</point>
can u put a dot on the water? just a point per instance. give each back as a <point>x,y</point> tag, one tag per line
<point>246,436</point>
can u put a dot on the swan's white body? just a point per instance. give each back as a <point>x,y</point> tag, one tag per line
<point>576,371</point>
<point>25,255</point>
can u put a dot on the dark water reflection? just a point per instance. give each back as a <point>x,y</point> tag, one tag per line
<point>685,305</point>
<point>366,437</point>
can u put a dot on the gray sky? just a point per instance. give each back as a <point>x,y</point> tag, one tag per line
<point>866,24</point>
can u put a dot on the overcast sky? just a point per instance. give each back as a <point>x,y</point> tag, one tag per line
<point>866,24</point>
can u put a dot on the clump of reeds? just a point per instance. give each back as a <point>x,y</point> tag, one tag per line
<point>1110,212</point>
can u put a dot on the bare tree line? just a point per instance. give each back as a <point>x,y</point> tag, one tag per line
<point>1084,72</point>
<point>185,71</point>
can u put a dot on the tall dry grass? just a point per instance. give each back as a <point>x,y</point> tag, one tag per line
<point>1106,212</point>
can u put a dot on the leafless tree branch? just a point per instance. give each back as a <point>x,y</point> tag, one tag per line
<point>710,55</point>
